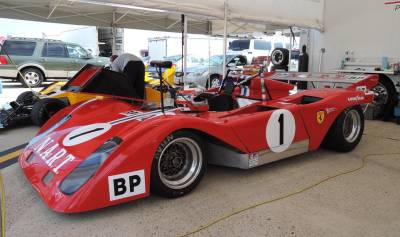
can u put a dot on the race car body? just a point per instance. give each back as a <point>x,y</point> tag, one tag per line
<point>105,152</point>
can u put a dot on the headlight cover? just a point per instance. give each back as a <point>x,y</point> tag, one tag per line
<point>86,169</point>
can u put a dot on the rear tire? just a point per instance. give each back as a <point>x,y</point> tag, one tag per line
<point>179,165</point>
<point>33,77</point>
<point>45,108</point>
<point>346,132</point>
<point>386,99</point>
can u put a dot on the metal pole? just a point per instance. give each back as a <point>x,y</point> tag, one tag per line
<point>184,48</point>
<point>291,42</point>
<point>225,34</point>
<point>182,45</point>
<point>114,32</point>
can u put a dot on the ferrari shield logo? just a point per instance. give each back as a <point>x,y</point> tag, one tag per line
<point>320,117</point>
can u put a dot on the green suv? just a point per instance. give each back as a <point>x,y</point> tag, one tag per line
<point>39,59</point>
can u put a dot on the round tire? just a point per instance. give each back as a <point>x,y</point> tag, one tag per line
<point>280,58</point>
<point>346,132</point>
<point>215,81</point>
<point>33,77</point>
<point>27,98</point>
<point>179,165</point>
<point>384,100</point>
<point>43,109</point>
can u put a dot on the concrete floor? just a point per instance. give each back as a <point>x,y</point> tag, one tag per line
<point>364,203</point>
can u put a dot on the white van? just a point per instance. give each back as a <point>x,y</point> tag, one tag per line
<point>250,48</point>
<point>254,47</point>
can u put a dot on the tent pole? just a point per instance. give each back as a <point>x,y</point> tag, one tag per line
<point>225,35</point>
<point>114,32</point>
<point>184,48</point>
<point>182,45</point>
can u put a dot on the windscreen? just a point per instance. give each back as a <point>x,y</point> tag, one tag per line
<point>111,83</point>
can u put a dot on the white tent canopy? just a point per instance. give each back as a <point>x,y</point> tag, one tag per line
<point>266,14</point>
<point>205,16</point>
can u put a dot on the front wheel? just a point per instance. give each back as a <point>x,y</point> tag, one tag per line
<point>179,165</point>
<point>346,131</point>
<point>43,109</point>
<point>32,77</point>
<point>27,98</point>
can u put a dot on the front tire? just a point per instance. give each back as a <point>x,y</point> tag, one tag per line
<point>43,109</point>
<point>27,98</point>
<point>346,132</point>
<point>179,165</point>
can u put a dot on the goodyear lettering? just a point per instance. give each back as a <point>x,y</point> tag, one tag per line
<point>355,98</point>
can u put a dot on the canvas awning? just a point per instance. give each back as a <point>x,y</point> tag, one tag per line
<point>204,17</point>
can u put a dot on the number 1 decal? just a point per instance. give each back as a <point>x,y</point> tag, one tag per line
<point>280,131</point>
<point>281,127</point>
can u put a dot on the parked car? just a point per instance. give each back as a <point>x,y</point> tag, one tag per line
<point>209,73</point>
<point>40,59</point>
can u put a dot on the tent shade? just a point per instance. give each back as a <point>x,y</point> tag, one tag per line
<point>205,16</point>
<point>81,13</point>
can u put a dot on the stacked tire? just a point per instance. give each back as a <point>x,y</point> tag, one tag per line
<point>280,59</point>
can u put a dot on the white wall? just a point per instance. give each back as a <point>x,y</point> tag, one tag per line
<point>86,37</point>
<point>369,28</point>
<point>136,40</point>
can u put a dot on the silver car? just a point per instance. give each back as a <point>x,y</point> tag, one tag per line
<point>209,74</point>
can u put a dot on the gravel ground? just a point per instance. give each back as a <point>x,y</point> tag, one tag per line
<point>363,203</point>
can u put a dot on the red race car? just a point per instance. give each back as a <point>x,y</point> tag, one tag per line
<point>106,152</point>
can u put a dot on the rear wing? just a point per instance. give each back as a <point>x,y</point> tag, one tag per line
<point>362,82</point>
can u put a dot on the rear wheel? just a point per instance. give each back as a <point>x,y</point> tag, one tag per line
<point>32,77</point>
<point>178,165</point>
<point>385,99</point>
<point>45,108</point>
<point>346,131</point>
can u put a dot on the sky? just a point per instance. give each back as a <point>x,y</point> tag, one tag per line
<point>18,28</point>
